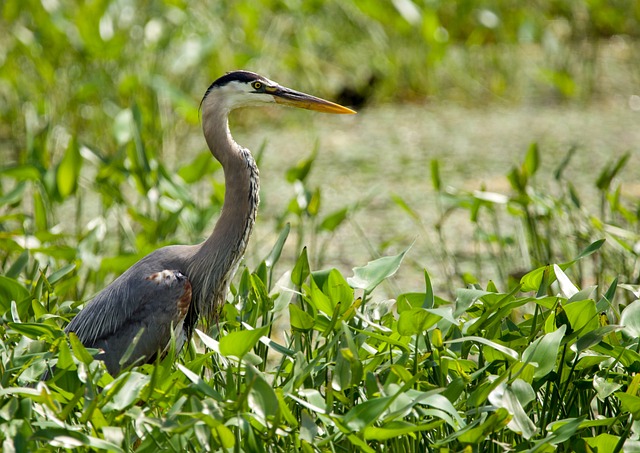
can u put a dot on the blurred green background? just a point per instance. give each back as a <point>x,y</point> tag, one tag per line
<point>100,98</point>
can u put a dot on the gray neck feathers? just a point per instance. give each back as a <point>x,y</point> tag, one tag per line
<point>214,262</point>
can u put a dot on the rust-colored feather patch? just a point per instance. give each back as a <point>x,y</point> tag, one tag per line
<point>185,300</point>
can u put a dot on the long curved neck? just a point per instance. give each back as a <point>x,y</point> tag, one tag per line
<point>215,261</point>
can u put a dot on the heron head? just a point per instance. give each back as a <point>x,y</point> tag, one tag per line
<point>243,88</point>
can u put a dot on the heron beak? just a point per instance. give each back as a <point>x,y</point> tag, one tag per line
<point>294,98</point>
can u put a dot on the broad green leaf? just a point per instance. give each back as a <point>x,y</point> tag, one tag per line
<point>262,398</point>
<point>465,297</point>
<point>594,337</point>
<point>371,275</point>
<point>364,414</point>
<point>503,396</point>
<point>630,319</point>
<point>407,301</point>
<point>319,300</point>
<point>582,315</point>
<point>299,318</point>
<point>125,390</point>
<point>11,290</point>
<point>630,403</point>
<point>415,321</point>
<point>604,387</point>
<point>239,343</point>
<point>544,352</point>
<point>338,290</point>
<point>563,430</point>
<point>603,443</point>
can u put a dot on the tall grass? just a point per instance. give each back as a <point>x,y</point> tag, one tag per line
<point>307,359</point>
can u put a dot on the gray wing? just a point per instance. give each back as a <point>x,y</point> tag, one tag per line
<point>156,302</point>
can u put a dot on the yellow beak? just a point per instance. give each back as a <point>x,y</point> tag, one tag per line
<point>294,98</point>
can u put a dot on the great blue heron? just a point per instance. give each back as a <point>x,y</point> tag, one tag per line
<point>167,290</point>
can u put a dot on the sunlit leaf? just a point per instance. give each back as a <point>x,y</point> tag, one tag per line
<point>630,319</point>
<point>299,318</point>
<point>544,352</point>
<point>371,275</point>
<point>239,343</point>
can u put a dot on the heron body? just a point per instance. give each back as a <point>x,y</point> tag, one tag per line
<point>168,290</point>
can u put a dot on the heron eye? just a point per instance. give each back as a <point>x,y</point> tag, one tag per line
<point>257,86</point>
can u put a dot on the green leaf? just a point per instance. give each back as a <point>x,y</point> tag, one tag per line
<point>630,319</point>
<point>301,270</point>
<point>240,342</point>
<point>492,344</point>
<point>14,195</point>
<point>364,414</point>
<point>125,390</point>
<point>18,265</point>
<point>603,443</point>
<point>68,172</point>
<point>11,290</point>
<point>371,275</point>
<point>299,318</point>
<point>415,321</point>
<point>35,331</point>
<point>22,172</point>
<point>435,175</point>
<point>397,428</point>
<point>582,315</point>
<point>70,439</point>
<point>532,280</point>
<point>594,337</point>
<point>203,165</point>
<point>531,160</point>
<point>610,172</point>
<point>630,403</point>
<point>61,273</point>
<point>319,300</point>
<point>544,352</point>
<point>334,220</point>
<point>503,396</point>
<point>302,168</point>
<point>429,298</point>
<point>79,350</point>
<point>465,298</point>
<point>276,251</point>
<point>262,398</point>
<point>338,290</point>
